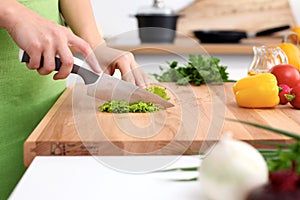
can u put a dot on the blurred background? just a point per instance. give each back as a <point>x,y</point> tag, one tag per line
<point>114,16</point>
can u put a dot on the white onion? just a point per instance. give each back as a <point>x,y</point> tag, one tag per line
<point>231,170</point>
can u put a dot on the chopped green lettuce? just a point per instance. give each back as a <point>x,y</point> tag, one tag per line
<point>122,106</point>
<point>114,106</point>
<point>158,90</point>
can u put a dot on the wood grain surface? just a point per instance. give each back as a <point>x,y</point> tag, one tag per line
<point>74,126</point>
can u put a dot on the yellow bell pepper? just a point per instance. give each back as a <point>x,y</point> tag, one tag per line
<point>292,51</point>
<point>259,91</point>
<point>296,37</point>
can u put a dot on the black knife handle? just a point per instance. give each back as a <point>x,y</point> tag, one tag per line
<point>58,63</point>
<point>88,76</point>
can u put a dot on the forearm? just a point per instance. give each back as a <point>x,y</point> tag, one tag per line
<point>79,16</point>
<point>9,10</point>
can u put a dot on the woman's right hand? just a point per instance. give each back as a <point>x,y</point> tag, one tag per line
<point>41,37</point>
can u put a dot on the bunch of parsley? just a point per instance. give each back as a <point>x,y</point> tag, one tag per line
<point>200,69</point>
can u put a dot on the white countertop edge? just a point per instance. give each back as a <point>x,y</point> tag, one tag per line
<point>85,177</point>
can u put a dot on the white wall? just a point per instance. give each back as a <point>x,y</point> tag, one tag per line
<point>114,16</point>
<point>295,5</point>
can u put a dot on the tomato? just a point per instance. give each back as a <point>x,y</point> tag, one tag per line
<point>298,84</point>
<point>282,184</point>
<point>295,91</point>
<point>286,74</point>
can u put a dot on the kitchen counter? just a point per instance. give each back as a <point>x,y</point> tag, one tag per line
<point>85,177</point>
<point>191,45</point>
<point>58,176</point>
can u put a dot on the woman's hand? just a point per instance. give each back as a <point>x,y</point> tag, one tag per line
<point>41,37</point>
<point>79,16</point>
<point>111,59</point>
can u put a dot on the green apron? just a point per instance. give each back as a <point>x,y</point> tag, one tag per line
<point>25,97</point>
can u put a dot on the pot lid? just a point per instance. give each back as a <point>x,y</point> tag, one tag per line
<point>158,7</point>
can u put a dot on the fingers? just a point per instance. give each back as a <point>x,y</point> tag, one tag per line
<point>48,62</point>
<point>137,77</point>
<point>35,59</point>
<point>67,60</point>
<point>63,51</point>
<point>128,77</point>
<point>93,62</point>
<point>43,38</point>
<point>81,46</point>
<point>44,61</point>
<point>134,73</point>
<point>111,59</point>
<point>140,77</point>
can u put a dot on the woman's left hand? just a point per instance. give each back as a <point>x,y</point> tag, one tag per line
<point>111,59</point>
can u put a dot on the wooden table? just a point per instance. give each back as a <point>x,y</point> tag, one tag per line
<point>74,126</point>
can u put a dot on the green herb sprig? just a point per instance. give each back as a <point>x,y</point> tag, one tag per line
<point>284,157</point>
<point>200,69</point>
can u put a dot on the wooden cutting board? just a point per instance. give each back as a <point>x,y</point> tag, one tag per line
<point>74,126</point>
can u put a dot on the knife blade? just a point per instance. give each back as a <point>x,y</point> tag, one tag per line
<point>106,87</point>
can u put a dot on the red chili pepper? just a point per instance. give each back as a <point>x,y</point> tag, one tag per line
<point>283,90</point>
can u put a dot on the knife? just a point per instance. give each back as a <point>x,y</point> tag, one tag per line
<point>106,87</point>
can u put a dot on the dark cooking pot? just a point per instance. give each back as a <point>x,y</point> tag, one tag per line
<point>227,36</point>
<point>157,23</point>
<point>157,28</point>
